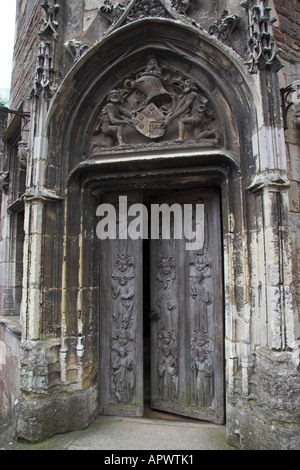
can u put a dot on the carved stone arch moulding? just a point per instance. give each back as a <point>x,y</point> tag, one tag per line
<point>154,85</point>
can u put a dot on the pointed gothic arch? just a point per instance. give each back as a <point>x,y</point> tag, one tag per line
<point>216,69</point>
<point>83,172</point>
<point>197,121</point>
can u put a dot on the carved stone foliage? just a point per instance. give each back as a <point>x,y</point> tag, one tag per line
<point>263,51</point>
<point>112,12</point>
<point>291,98</point>
<point>155,104</point>
<point>133,10</point>
<point>224,27</point>
<point>76,48</point>
<point>123,340</point>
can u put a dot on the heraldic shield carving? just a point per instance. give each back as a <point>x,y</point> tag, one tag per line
<point>150,122</point>
<point>155,104</point>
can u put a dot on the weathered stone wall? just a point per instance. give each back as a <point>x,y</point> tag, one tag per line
<point>10,332</point>
<point>3,125</point>
<point>287,29</point>
<point>25,51</point>
<point>11,237</point>
<point>269,395</point>
<point>287,36</point>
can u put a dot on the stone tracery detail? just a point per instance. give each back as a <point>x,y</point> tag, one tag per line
<point>181,5</point>
<point>159,104</point>
<point>145,9</point>
<point>50,24</point>
<point>44,72</point>
<point>44,77</point>
<point>263,51</point>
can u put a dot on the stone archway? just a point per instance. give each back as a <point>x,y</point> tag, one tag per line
<point>84,162</point>
<point>127,149</point>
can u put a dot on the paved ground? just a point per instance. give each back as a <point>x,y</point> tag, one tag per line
<point>123,434</point>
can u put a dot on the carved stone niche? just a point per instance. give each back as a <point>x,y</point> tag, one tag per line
<point>154,106</point>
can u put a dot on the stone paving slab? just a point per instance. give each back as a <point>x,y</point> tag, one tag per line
<point>121,434</point>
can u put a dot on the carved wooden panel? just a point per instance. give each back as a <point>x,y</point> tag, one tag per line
<point>187,318</point>
<point>121,331</point>
<point>186,311</point>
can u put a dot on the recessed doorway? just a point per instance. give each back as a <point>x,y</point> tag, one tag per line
<point>161,315</point>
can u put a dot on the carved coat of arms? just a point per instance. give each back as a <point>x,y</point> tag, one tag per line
<point>150,122</point>
<point>151,102</point>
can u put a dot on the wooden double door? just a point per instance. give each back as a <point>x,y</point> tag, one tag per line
<point>163,303</point>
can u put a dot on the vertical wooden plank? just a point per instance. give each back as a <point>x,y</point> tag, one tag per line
<point>121,323</point>
<point>188,351</point>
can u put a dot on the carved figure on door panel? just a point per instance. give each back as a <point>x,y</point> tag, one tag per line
<point>166,299</point>
<point>125,295</point>
<point>200,292</point>
<point>123,291</point>
<point>168,367</point>
<point>123,360</point>
<point>203,388</point>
